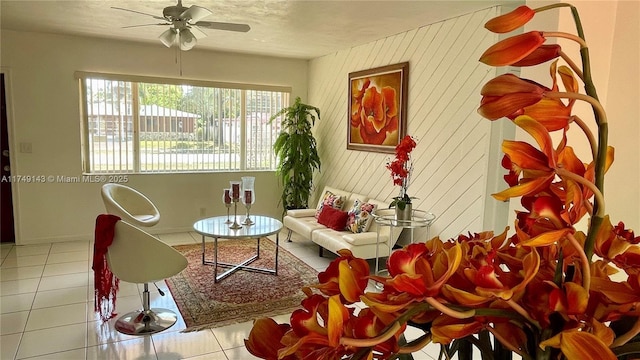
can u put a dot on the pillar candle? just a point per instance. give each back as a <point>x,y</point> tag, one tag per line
<point>235,187</point>
<point>227,196</point>
<point>247,196</point>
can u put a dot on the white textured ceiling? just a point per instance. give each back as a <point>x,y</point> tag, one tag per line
<point>296,29</point>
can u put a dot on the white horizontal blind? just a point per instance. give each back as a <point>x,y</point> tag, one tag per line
<point>177,128</point>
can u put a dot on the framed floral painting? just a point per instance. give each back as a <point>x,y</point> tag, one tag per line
<point>378,108</point>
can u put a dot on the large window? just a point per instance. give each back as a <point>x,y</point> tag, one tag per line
<point>142,125</point>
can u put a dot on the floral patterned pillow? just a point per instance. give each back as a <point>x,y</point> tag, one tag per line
<point>360,216</point>
<point>330,199</point>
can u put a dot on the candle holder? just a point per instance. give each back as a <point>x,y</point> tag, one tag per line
<point>248,197</point>
<point>235,225</point>
<point>226,198</point>
<point>247,201</point>
<point>235,197</point>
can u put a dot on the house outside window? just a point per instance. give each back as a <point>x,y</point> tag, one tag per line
<point>150,125</point>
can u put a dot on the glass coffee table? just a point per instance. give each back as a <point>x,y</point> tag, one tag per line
<point>217,227</point>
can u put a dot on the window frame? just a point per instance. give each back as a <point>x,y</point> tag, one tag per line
<point>82,76</point>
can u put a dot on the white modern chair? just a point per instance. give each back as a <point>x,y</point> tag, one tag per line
<point>130,205</point>
<point>136,256</point>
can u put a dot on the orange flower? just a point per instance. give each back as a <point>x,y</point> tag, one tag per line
<point>513,49</point>
<point>542,54</point>
<point>507,95</point>
<point>346,275</point>
<point>537,288</point>
<point>305,321</point>
<point>378,114</point>
<point>264,339</point>
<point>510,21</point>
<point>418,273</point>
<point>576,344</point>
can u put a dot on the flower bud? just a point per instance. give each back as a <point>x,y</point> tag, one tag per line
<point>513,49</point>
<point>510,21</point>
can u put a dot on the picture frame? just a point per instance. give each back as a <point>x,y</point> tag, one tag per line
<point>377,118</point>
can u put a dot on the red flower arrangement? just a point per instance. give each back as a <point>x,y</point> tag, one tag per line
<point>545,292</point>
<point>400,169</point>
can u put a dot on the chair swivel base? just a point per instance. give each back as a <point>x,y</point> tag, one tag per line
<point>143,322</point>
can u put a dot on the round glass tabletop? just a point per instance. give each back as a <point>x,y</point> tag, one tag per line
<point>219,228</point>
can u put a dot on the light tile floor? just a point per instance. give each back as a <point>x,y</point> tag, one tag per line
<point>46,309</point>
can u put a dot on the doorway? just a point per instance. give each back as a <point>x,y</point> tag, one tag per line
<point>7,231</point>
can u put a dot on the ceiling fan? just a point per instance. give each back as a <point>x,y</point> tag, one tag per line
<point>185,24</point>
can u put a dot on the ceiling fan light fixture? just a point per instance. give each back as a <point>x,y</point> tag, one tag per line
<point>168,37</point>
<point>185,23</point>
<point>187,40</point>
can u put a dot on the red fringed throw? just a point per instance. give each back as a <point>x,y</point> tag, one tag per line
<point>106,284</point>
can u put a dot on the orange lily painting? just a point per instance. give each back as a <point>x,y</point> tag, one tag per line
<point>377,108</point>
<point>563,282</point>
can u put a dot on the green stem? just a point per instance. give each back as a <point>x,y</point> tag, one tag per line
<point>370,342</point>
<point>603,133</point>
<point>416,344</point>
<point>520,310</point>
<point>626,337</point>
<point>552,6</point>
<point>449,311</point>
<point>600,161</point>
<point>507,344</point>
<point>632,348</point>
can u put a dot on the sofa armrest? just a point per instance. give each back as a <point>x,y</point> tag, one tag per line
<point>365,238</point>
<point>298,213</point>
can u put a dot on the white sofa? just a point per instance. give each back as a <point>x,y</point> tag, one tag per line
<point>362,245</point>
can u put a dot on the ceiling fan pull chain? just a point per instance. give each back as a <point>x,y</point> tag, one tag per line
<point>180,59</point>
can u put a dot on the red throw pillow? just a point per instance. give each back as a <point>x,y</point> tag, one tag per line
<point>333,218</point>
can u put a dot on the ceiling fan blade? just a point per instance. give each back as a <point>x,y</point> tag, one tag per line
<point>195,13</point>
<point>223,26</point>
<point>132,26</point>
<point>199,34</point>
<point>139,12</point>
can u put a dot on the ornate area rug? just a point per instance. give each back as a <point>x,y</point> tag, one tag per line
<point>243,295</point>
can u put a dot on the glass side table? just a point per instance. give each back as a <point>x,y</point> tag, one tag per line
<point>386,217</point>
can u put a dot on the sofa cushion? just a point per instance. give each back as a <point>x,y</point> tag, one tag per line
<point>302,225</point>
<point>364,238</point>
<point>362,245</point>
<point>333,218</point>
<point>300,213</point>
<point>360,216</point>
<point>330,199</point>
<point>348,204</point>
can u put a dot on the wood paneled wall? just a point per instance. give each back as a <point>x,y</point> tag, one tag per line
<point>451,158</point>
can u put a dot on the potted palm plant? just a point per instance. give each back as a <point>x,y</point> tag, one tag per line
<point>297,153</point>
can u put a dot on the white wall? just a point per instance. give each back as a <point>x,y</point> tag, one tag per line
<point>44,111</point>
<point>612,33</point>
<point>622,182</point>
<point>451,157</point>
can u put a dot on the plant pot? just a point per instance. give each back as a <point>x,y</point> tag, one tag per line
<point>404,214</point>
